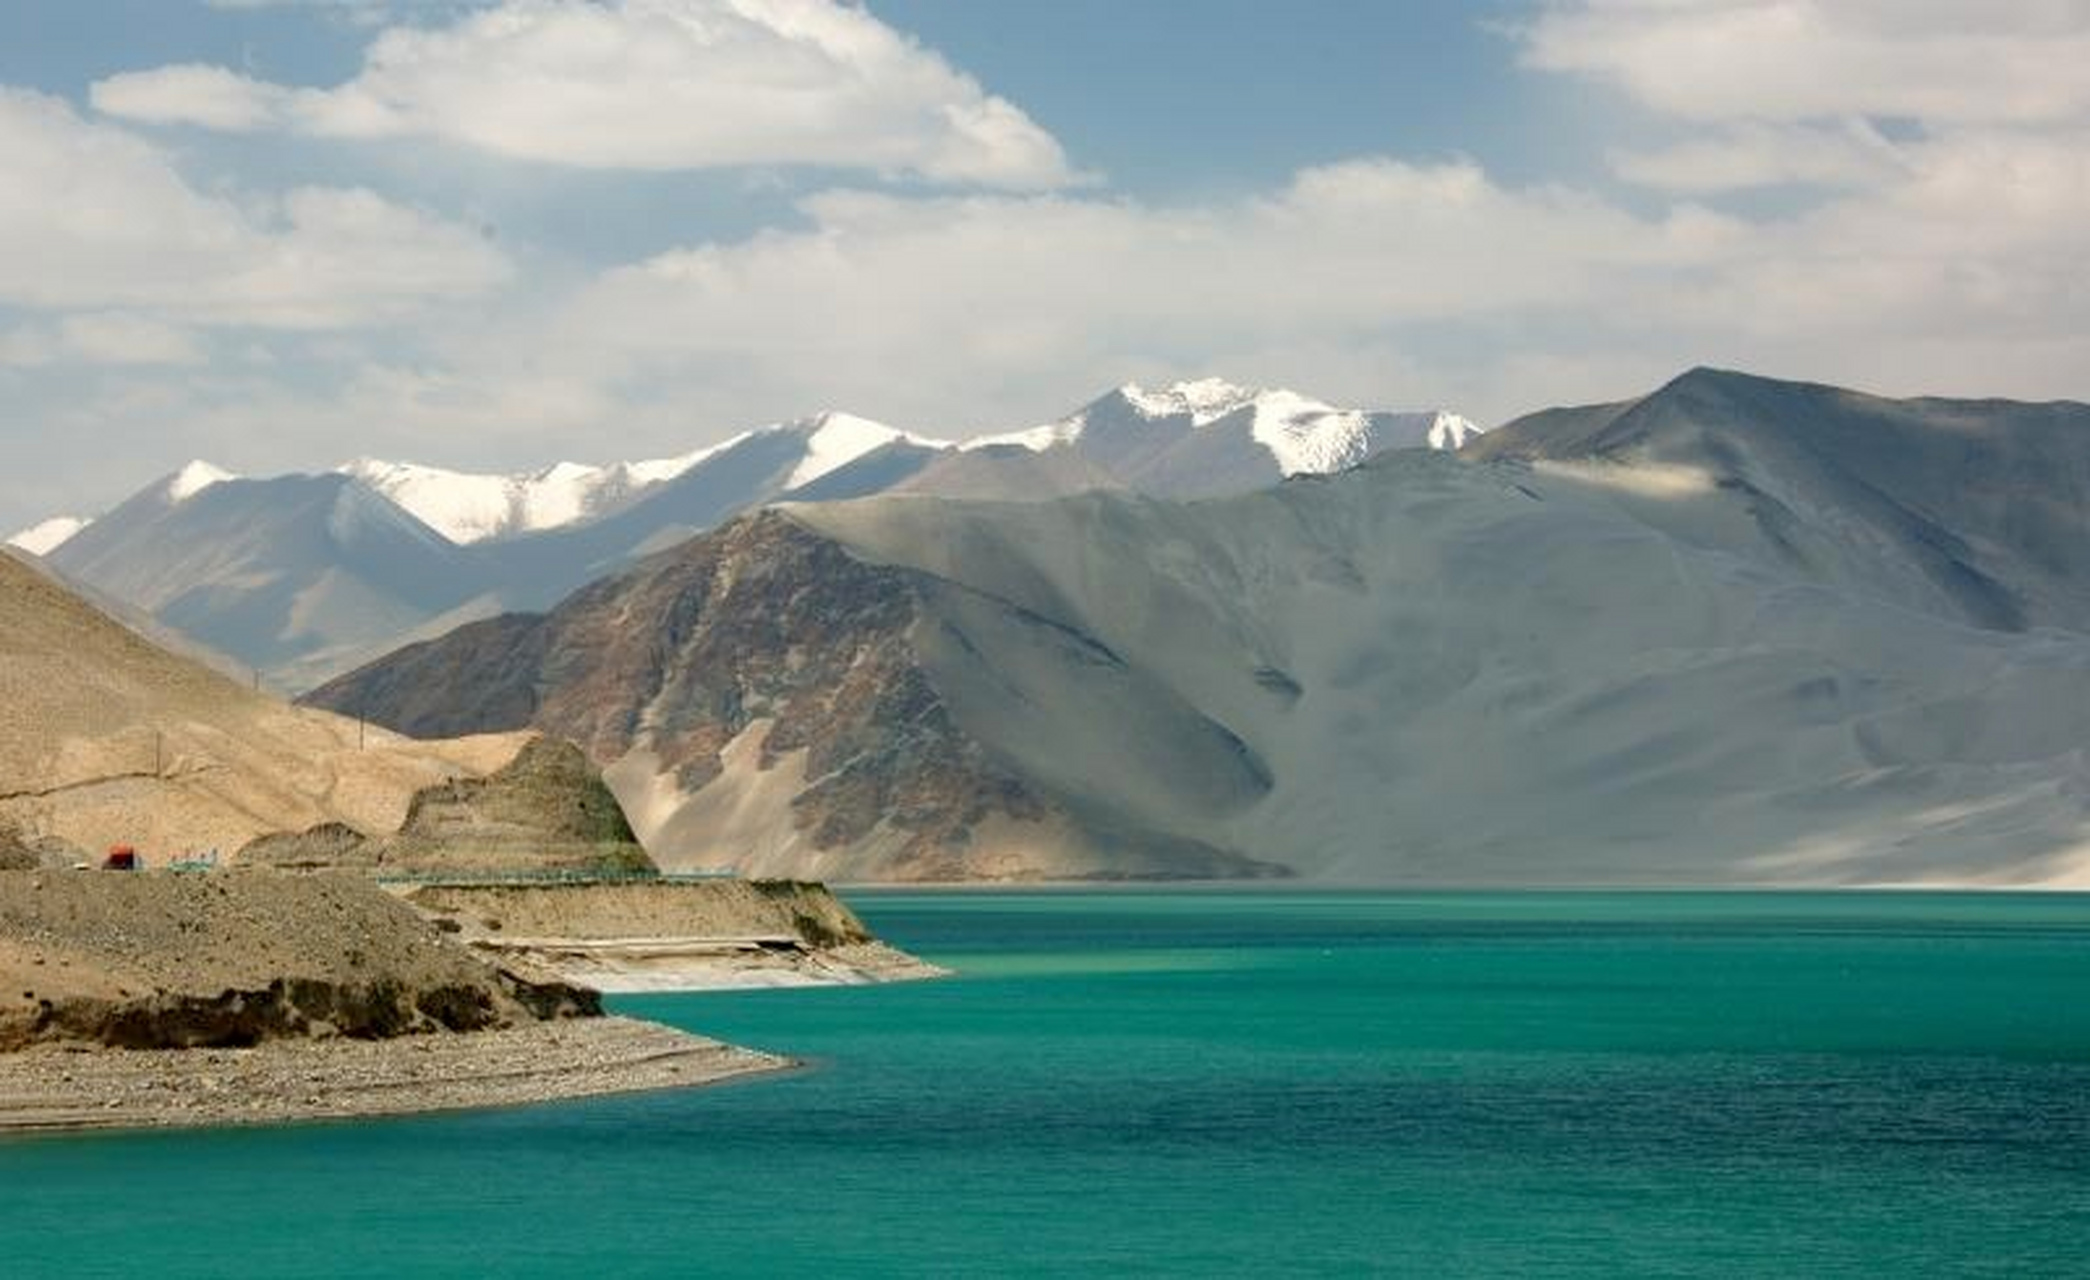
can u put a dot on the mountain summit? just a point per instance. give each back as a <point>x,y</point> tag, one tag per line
<point>1209,437</point>
<point>306,576</point>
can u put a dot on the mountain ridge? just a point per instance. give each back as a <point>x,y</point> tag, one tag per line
<point>268,572</point>
<point>1535,661</point>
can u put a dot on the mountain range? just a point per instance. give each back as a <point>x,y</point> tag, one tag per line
<point>1733,631</point>
<point>303,576</point>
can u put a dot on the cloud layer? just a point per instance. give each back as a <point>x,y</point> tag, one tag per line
<point>1862,221</point>
<point>95,219</point>
<point>642,84</point>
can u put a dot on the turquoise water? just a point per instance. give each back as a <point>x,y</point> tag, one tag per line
<point>1235,1084</point>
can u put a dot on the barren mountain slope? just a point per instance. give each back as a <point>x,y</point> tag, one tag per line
<point>1424,669</point>
<point>761,700</point>
<point>106,738</point>
<point>1970,509</point>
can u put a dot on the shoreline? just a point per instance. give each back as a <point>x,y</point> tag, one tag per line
<point>1301,887</point>
<point>62,1088</point>
<point>634,966</point>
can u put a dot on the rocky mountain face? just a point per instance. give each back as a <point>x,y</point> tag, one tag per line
<point>766,701</point>
<point>1712,637</point>
<point>1974,510</point>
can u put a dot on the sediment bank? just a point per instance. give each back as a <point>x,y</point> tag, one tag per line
<point>670,935</point>
<point>64,1087</point>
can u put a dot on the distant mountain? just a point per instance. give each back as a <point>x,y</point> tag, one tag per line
<point>306,576</point>
<point>466,507</point>
<point>278,573</point>
<point>823,458</point>
<point>1210,437</point>
<point>1712,636</point>
<point>1976,510</point>
<point>42,537</point>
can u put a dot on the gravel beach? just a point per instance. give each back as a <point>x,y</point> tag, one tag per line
<point>69,1087</point>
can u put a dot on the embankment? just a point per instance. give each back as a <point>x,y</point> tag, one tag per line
<point>671,935</point>
<point>164,998</point>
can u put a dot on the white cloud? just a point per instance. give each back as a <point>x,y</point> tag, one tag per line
<point>95,219</point>
<point>643,84</point>
<point>1847,153</point>
<point>115,337</point>
<point>189,93</point>
<point>953,312</point>
<point>1374,281</point>
<point>1976,61</point>
<point>1941,253</point>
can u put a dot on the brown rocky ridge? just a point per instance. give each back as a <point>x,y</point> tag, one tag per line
<point>764,700</point>
<point>171,960</point>
<point>670,935</point>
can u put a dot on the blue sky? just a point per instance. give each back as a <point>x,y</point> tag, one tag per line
<point>495,234</point>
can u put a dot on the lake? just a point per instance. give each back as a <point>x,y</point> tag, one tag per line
<point>1233,1083</point>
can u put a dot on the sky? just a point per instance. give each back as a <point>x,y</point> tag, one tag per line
<point>497,234</point>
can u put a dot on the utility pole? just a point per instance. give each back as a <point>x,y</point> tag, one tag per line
<point>156,752</point>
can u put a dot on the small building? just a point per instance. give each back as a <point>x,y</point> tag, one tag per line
<point>123,857</point>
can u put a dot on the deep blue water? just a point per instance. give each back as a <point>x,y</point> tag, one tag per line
<point>1235,1084</point>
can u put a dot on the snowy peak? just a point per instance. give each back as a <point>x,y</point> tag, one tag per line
<point>1451,431</point>
<point>835,439</point>
<point>1209,435</point>
<point>471,507</point>
<point>43,538</point>
<point>1308,437</point>
<point>468,507</point>
<point>1202,400</point>
<point>194,479</point>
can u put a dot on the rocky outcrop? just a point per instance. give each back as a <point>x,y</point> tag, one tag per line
<point>670,934</point>
<point>168,960</point>
<point>545,810</point>
<point>767,701</point>
<point>22,852</point>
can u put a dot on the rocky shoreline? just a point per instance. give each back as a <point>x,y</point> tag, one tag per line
<point>59,1087</point>
<point>669,935</point>
<point>165,999</point>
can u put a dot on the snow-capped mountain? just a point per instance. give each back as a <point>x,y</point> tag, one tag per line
<point>1734,631</point>
<point>1209,436</point>
<point>468,507</point>
<point>272,572</point>
<point>1202,436</point>
<point>309,599</point>
<point>193,479</point>
<point>45,536</point>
